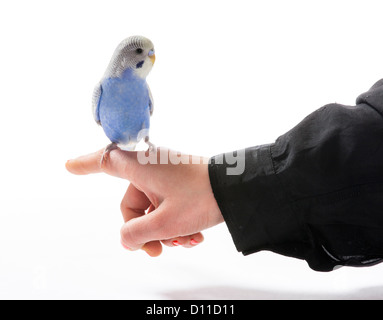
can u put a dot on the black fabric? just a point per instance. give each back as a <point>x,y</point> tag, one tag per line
<point>314,194</point>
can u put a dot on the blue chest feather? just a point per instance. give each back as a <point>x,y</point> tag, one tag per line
<point>124,107</point>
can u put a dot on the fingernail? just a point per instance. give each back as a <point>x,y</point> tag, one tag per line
<point>124,246</point>
<point>176,243</point>
<point>193,242</point>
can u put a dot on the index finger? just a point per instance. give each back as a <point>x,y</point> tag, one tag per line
<point>118,163</point>
<point>87,164</point>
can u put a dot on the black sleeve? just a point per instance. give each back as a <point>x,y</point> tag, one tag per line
<point>314,194</point>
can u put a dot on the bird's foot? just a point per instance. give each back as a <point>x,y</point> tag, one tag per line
<point>108,149</point>
<point>152,147</point>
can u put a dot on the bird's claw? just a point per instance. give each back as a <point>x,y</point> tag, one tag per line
<point>152,148</point>
<point>107,150</point>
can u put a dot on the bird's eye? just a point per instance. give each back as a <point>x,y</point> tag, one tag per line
<point>139,51</point>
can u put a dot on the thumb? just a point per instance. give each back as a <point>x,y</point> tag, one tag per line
<point>154,226</point>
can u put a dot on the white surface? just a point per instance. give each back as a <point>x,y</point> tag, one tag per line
<point>228,75</point>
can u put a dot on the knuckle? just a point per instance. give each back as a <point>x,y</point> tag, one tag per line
<point>151,227</point>
<point>128,237</point>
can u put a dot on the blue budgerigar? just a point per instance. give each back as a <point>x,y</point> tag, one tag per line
<point>122,101</point>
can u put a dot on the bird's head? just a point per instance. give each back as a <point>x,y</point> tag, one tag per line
<point>135,53</point>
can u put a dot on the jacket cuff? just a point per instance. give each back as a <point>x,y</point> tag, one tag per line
<point>255,205</point>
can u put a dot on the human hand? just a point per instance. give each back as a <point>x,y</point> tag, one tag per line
<point>164,203</point>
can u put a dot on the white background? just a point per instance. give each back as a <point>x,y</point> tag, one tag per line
<point>229,75</point>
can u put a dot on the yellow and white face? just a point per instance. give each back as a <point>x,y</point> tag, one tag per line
<point>136,53</point>
<point>144,66</point>
<point>140,55</point>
